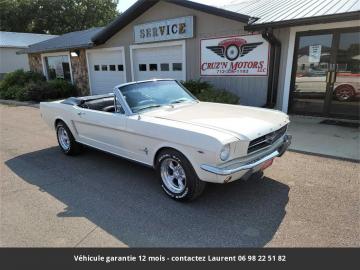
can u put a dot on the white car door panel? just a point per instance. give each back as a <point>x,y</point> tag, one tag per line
<point>103,130</point>
<point>108,132</point>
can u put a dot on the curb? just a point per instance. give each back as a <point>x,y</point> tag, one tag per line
<point>20,103</point>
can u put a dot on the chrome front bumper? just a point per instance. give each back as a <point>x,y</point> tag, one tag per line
<point>278,152</point>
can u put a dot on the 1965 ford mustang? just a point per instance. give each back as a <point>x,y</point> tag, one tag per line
<point>161,124</point>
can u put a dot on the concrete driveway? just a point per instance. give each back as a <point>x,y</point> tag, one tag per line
<point>97,200</point>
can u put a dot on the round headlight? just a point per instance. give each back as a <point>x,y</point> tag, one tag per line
<point>225,152</point>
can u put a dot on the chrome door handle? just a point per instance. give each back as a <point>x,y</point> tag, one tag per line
<point>80,113</point>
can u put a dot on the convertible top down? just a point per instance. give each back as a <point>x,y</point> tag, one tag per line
<point>161,124</point>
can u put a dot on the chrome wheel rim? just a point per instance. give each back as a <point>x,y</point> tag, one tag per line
<point>173,175</point>
<point>64,139</point>
<point>343,94</point>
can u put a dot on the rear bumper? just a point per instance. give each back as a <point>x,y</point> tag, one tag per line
<point>252,165</point>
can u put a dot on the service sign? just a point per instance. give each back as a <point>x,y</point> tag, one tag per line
<point>178,28</point>
<point>234,56</point>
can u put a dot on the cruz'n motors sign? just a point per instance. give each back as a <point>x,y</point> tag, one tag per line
<point>234,56</point>
<point>178,28</point>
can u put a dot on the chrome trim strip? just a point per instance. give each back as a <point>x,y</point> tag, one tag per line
<point>224,171</point>
<point>250,164</point>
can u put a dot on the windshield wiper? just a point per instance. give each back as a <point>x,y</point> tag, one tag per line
<point>148,107</point>
<point>180,100</point>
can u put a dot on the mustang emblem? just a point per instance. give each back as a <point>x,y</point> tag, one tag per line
<point>233,48</point>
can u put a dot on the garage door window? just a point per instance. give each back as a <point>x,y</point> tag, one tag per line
<point>104,67</point>
<point>142,67</point>
<point>153,67</point>
<point>96,67</point>
<point>120,67</point>
<point>112,67</point>
<point>164,67</point>
<point>177,66</point>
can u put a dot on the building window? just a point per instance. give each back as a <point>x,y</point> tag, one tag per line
<point>142,67</point>
<point>104,67</point>
<point>164,67</point>
<point>120,67</point>
<point>177,66</point>
<point>96,67</point>
<point>58,67</point>
<point>112,67</point>
<point>153,67</point>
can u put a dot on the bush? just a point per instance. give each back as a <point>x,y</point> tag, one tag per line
<point>204,91</point>
<point>32,86</point>
<point>20,77</point>
<point>61,89</point>
<point>11,92</point>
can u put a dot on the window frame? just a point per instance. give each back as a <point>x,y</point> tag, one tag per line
<point>44,66</point>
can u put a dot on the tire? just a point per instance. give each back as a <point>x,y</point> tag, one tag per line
<point>68,146</point>
<point>344,92</point>
<point>187,186</point>
<point>232,52</point>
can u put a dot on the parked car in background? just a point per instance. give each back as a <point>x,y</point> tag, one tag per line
<point>347,86</point>
<point>160,124</point>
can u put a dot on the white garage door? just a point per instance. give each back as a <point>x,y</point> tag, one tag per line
<point>106,69</point>
<point>158,62</point>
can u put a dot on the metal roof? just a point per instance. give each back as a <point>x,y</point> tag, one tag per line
<point>273,11</point>
<point>72,40</point>
<point>21,40</point>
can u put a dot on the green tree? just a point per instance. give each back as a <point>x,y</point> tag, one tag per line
<point>55,16</point>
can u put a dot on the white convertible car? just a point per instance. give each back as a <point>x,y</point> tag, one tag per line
<point>161,124</point>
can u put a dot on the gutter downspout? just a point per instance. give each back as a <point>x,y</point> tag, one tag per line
<point>274,66</point>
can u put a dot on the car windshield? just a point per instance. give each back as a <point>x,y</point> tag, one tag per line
<point>153,94</point>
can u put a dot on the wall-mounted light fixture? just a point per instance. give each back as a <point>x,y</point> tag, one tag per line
<point>75,53</point>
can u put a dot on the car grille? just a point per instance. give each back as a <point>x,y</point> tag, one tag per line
<point>266,140</point>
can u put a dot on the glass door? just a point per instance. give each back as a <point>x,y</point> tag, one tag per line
<point>326,74</point>
<point>312,62</point>
<point>345,88</point>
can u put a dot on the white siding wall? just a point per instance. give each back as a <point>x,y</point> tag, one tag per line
<point>10,61</point>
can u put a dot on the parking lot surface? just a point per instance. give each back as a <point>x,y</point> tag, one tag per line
<point>97,200</point>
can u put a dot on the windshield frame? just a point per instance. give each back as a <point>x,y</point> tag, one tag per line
<point>127,108</point>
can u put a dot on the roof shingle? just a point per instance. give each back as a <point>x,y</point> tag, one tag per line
<point>78,39</point>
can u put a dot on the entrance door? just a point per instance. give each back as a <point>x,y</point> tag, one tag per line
<point>325,79</point>
<point>346,89</point>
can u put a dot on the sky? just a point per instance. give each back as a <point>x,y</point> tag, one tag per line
<point>125,4</point>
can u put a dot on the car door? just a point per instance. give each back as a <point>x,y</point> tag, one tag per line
<point>102,130</point>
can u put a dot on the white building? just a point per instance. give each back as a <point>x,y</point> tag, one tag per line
<point>10,43</point>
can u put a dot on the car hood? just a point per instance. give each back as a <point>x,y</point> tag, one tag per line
<point>243,122</point>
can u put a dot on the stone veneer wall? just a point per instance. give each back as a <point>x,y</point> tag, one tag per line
<point>35,62</point>
<point>78,66</point>
<point>80,72</point>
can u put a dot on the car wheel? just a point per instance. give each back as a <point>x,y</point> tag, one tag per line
<point>66,140</point>
<point>232,52</point>
<point>177,176</point>
<point>344,92</point>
